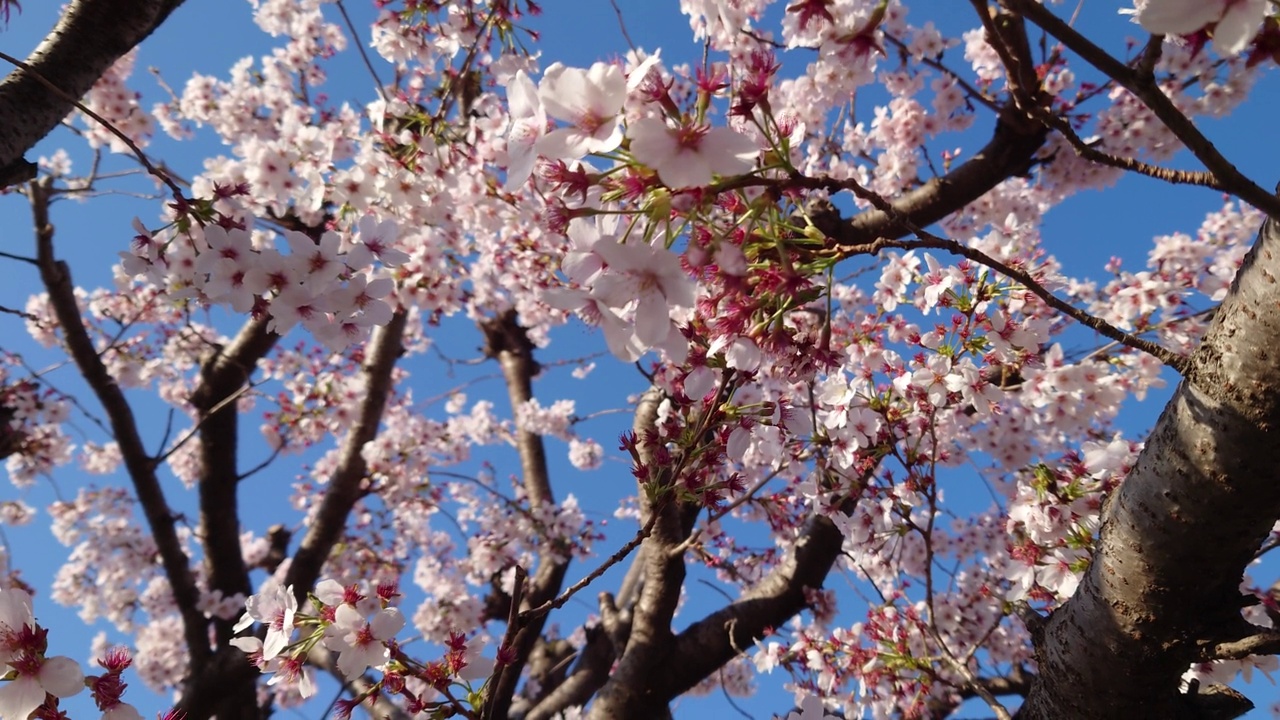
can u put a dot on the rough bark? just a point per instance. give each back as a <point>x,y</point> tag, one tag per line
<point>88,39</point>
<point>1162,591</point>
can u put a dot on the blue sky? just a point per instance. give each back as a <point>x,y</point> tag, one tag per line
<point>208,36</point>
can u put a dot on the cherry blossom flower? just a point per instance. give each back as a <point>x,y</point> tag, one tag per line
<point>234,245</point>
<point>22,645</point>
<point>360,643</point>
<point>272,271</point>
<point>477,667</point>
<point>318,260</point>
<point>1235,22</point>
<point>585,454</point>
<point>590,100</point>
<point>226,284</point>
<point>688,156</point>
<point>293,305</point>
<point>527,125</point>
<point>362,299</point>
<point>375,241</point>
<point>274,606</point>
<point>811,708</point>
<point>650,275</point>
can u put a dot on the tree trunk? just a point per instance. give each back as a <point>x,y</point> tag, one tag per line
<point>1163,588</point>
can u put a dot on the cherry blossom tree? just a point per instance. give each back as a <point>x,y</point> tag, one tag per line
<point>813,256</point>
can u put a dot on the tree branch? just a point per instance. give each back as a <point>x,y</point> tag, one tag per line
<point>1142,84</point>
<point>202,694</point>
<point>222,377</point>
<point>346,486</point>
<point>929,240</point>
<point>507,342</point>
<point>1164,579</point>
<point>56,276</point>
<point>627,692</point>
<point>88,39</point>
<point>721,636</point>
<point>588,676</point>
<point>1259,641</point>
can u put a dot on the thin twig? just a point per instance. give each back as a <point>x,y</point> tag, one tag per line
<point>622,25</point>
<point>927,239</point>
<point>5,309</point>
<point>275,453</point>
<point>979,689</point>
<point>1143,86</point>
<point>693,537</point>
<point>19,258</point>
<point>56,276</point>
<point>614,559</point>
<point>196,430</point>
<point>355,35</point>
<point>1088,152</point>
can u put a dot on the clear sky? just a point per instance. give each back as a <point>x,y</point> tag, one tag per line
<point>209,35</point>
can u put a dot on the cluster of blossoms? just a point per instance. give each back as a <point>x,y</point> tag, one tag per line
<point>788,392</point>
<point>34,682</point>
<point>361,630</point>
<point>324,283</point>
<point>116,103</point>
<point>31,418</point>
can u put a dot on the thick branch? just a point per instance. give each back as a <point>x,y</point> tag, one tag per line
<point>1009,153</point>
<point>1259,641</point>
<point>588,675</point>
<point>90,37</point>
<point>202,694</point>
<point>223,376</point>
<point>508,343</point>
<point>1017,682</point>
<point>719,637</point>
<point>628,692</point>
<point>1163,584</point>
<point>141,467</point>
<point>347,485</point>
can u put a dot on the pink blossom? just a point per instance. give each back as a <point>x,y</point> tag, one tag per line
<point>274,606</point>
<point>688,156</point>
<point>376,240</point>
<point>1236,22</point>
<point>318,261</point>
<point>585,454</point>
<point>528,124</point>
<point>653,277</point>
<point>360,643</point>
<point>589,100</point>
<point>22,653</point>
<point>811,708</point>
